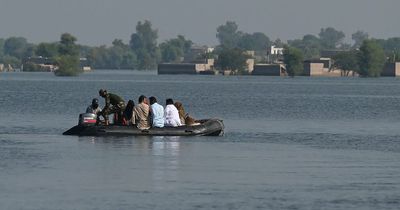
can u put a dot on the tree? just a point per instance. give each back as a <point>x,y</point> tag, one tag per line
<point>293,59</point>
<point>310,46</point>
<point>67,45</point>
<point>392,44</point>
<point>98,57</point>
<point>68,59</point>
<point>228,35</point>
<point>231,59</point>
<point>48,50</point>
<point>10,60</point>
<point>358,38</point>
<point>331,38</point>
<point>371,59</point>
<point>278,43</point>
<point>346,61</point>
<point>174,49</point>
<point>68,65</point>
<point>15,46</point>
<point>118,56</point>
<point>257,41</point>
<point>144,44</point>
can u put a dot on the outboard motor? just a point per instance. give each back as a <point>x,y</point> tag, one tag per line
<point>87,119</point>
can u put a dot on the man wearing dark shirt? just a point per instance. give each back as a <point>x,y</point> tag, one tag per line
<point>114,104</point>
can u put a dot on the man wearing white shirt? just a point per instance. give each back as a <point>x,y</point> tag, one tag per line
<point>171,114</point>
<point>157,113</point>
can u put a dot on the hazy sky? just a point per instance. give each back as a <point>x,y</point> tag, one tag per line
<point>96,22</point>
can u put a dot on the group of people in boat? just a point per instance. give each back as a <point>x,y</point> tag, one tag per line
<point>146,114</point>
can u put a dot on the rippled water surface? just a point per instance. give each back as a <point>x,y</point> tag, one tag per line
<point>289,143</point>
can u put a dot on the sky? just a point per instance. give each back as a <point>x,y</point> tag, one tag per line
<point>99,22</point>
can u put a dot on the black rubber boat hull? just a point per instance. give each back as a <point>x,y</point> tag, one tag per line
<point>212,127</point>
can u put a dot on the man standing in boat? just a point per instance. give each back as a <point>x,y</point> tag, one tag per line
<point>114,104</point>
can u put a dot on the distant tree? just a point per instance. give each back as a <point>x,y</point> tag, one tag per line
<point>172,50</point>
<point>147,61</point>
<point>371,59</point>
<point>129,58</point>
<point>257,41</point>
<point>293,58</point>
<point>118,56</point>
<point>278,43</point>
<point>97,57</point>
<point>345,46</point>
<point>170,53</point>
<point>10,60</point>
<point>1,47</point>
<point>331,38</point>
<point>48,50</point>
<point>68,59</point>
<point>144,44</point>
<point>358,38</point>
<point>228,35</point>
<point>84,50</point>
<point>346,61</point>
<point>15,46</point>
<point>67,45</point>
<point>310,46</point>
<point>68,66</point>
<point>395,56</point>
<point>391,47</point>
<point>231,59</point>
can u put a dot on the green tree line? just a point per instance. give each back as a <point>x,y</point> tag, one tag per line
<point>143,52</point>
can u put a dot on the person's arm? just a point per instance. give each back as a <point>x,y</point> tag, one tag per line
<point>107,100</point>
<point>177,119</point>
<point>133,119</point>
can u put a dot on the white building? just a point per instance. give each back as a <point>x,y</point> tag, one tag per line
<point>275,50</point>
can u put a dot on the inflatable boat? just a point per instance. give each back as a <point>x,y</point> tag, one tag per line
<point>87,127</point>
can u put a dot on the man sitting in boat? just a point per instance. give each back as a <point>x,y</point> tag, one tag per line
<point>94,107</point>
<point>114,104</point>
<point>171,114</point>
<point>141,113</point>
<point>157,113</point>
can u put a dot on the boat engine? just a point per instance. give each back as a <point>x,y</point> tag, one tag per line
<point>87,119</point>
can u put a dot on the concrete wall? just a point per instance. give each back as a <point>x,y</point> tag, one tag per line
<point>391,70</point>
<point>250,65</point>
<point>313,69</point>
<point>269,70</point>
<point>186,68</point>
<point>181,68</point>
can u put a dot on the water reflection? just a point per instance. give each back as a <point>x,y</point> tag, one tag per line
<point>158,156</point>
<point>165,153</point>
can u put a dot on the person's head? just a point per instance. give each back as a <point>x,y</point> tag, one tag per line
<point>178,105</point>
<point>180,109</point>
<point>130,104</point>
<point>152,100</point>
<point>95,103</point>
<point>102,92</point>
<point>142,98</point>
<point>169,101</point>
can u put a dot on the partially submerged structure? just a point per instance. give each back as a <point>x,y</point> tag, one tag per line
<point>391,70</point>
<point>269,70</point>
<point>198,67</point>
<point>46,64</point>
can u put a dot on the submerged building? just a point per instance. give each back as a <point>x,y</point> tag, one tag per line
<point>269,70</point>
<point>205,67</point>
<point>391,70</point>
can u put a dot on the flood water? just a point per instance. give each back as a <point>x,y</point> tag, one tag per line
<point>289,143</point>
